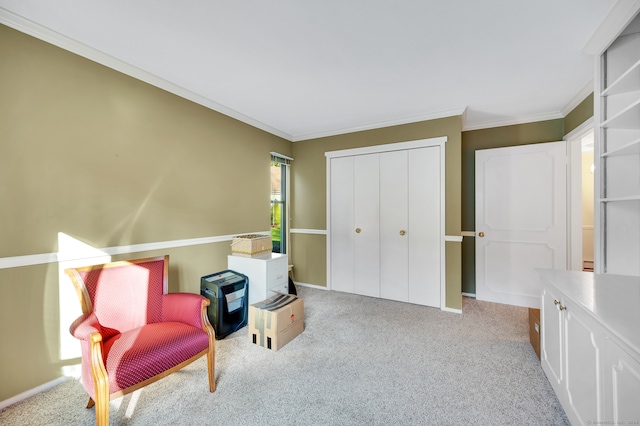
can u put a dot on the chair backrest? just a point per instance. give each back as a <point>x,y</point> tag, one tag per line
<point>123,295</point>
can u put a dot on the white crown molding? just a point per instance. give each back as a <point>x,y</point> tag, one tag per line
<point>622,12</point>
<point>381,124</point>
<point>45,34</point>
<point>578,98</point>
<point>513,121</point>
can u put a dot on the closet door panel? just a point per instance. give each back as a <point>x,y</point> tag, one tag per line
<point>367,219</point>
<point>342,224</point>
<point>424,228</point>
<point>394,247</point>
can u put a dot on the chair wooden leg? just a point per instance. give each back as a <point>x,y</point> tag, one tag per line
<point>102,409</point>
<point>211,367</point>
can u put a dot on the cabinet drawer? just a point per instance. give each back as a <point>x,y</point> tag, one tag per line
<point>280,288</point>
<point>277,272</point>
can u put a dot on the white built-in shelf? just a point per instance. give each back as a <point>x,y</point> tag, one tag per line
<point>630,148</point>
<point>625,119</point>
<point>618,199</point>
<point>627,82</point>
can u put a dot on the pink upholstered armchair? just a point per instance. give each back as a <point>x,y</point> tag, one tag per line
<point>133,332</point>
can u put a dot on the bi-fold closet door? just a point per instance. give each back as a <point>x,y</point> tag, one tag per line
<point>385,224</point>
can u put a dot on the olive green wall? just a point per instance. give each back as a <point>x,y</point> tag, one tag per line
<point>308,194</point>
<point>579,115</point>
<point>111,161</point>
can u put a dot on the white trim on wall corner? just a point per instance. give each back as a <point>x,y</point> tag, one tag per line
<point>578,98</point>
<point>39,259</point>
<point>580,131</point>
<point>308,231</point>
<point>453,238</point>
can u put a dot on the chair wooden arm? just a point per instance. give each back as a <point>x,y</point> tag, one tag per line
<point>85,326</point>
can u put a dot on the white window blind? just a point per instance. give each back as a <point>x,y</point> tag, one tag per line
<point>280,159</point>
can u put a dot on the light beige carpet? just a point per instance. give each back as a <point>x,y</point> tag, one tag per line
<point>360,361</point>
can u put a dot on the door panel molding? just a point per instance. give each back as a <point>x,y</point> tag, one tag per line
<point>521,220</point>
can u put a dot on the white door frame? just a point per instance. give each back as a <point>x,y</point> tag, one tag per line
<point>422,143</point>
<point>574,194</point>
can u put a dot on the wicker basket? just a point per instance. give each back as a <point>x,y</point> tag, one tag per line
<point>251,245</point>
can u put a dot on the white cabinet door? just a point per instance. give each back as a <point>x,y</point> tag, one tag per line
<point>551,339</point>
<point>582,378</point>
<point>342,224</point>
<point>570,353</point>
<point>367,218</point>
<point>621,384</point>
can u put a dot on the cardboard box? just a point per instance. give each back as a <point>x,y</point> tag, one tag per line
<point>534,329</point>
<point>274,322</point>
<point>253,245</point>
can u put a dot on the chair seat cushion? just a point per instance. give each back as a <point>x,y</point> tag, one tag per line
<point>139,354</point>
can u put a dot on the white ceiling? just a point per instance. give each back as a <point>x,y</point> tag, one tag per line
<point>302,69</point>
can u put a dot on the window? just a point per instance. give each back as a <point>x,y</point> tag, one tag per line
<point>279,201</point>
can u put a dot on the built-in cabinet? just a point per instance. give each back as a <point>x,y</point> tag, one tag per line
<point>618,129</point>
<point>590,344</point>
<point>386,222</point>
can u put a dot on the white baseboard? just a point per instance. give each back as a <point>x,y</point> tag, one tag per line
<point>31,392</point>
<point>469,295</point>
<point>317,287</point>
<point>455,311</point>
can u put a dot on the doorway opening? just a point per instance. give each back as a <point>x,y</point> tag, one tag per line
<point>581,202</point>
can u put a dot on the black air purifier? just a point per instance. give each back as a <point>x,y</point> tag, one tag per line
<point>228,292</point>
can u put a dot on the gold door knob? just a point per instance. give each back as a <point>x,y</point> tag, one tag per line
<point>402,232</point>
<point>480,234</point>
<point>562,308</point>
<point>555,302</point>
<point>358,230</point>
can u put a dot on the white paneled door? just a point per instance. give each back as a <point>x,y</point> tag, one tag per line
<point>521,220</point>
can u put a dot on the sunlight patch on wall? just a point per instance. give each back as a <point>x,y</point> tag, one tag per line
<point>72,253</point>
